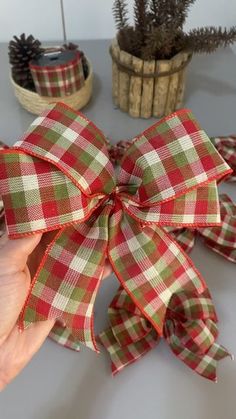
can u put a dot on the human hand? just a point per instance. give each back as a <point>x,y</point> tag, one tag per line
<point>16,347</point>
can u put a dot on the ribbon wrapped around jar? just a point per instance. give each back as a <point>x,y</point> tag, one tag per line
<point>58,74</point>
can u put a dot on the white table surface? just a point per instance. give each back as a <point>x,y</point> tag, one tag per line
<point>63,384</point>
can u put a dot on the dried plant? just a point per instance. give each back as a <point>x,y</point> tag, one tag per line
<point>158,33</point>
<point>120,13</point>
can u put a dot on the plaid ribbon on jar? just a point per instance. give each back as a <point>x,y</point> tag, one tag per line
<point>58,179</point>
<point>58,80</point>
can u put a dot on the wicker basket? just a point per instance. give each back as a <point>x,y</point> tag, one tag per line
<point>35,103</point>
<point>148,88</point>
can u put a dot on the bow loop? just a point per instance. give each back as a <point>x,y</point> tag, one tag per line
<point>226,146</point>
<point>193,337</point>
<point>169,159</point>
<point>37,196</point>
<point>197,207</point>
<point>191,321</point>
<point>68,140</point>
<point>188,306</point>
<point>221,239</point>
<point>196,336</point>
<point>56,175</point>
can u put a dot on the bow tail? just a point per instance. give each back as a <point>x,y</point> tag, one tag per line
<point>222,239</point>
<point>203,361</point>
<point>63,335</point>
<point>205,364</point>
<point>66,283</point>
<point>150,266</point>
<point>129,336</point>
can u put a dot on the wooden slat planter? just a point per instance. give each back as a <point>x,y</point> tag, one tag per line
<point>148,88</point>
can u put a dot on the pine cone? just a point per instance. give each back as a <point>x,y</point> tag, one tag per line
<point>21,51</point>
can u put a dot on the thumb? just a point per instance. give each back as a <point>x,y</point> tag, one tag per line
<point>14,252</point>
<point>14,280</point>
<point>19,348</point>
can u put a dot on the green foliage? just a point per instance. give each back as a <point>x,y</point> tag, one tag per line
<point>158,33</point>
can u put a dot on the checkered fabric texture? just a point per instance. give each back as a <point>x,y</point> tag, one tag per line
<point>2,227</point>
<point>221,239</point>
<point>130,335</point>
<point>190,330</point>
<point>2,224</point>
<point>225,145</point>
<point>59,80</point>
<point>227,148</point>
<point>58,179</point>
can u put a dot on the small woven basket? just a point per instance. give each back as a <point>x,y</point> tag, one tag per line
<point>34,103</point>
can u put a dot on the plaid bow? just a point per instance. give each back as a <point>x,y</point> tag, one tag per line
<point>227,148</point>
<point>221,239</point>
<point>190,330</point>
<point>58,179</point>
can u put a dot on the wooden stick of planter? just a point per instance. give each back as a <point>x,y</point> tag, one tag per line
<point>181,86</point>
<point>161,88</point>
<point>115,72</point>
<point>173,85</point>
<point>124,82</point>
<point>148,89</point>
<point>135,89</point>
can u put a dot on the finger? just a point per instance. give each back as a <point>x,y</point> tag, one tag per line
<point>14,289</point>
<point>14,253</point>
<point>14,280</point>
<point>19,348</point>
<point>107,270</point>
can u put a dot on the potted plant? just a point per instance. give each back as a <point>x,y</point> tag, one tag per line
<point>150,57</point>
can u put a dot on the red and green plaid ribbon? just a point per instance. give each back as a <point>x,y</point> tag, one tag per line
<point>227,148</point>
<point>190,330</point>
<point>59,80</point>
<point>2,224</point>
<point>221,239</point>
<point>58,179</point>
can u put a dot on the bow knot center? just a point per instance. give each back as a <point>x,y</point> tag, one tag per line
<point>113,195</point>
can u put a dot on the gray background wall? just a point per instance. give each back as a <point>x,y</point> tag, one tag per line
<point>91,19</point>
